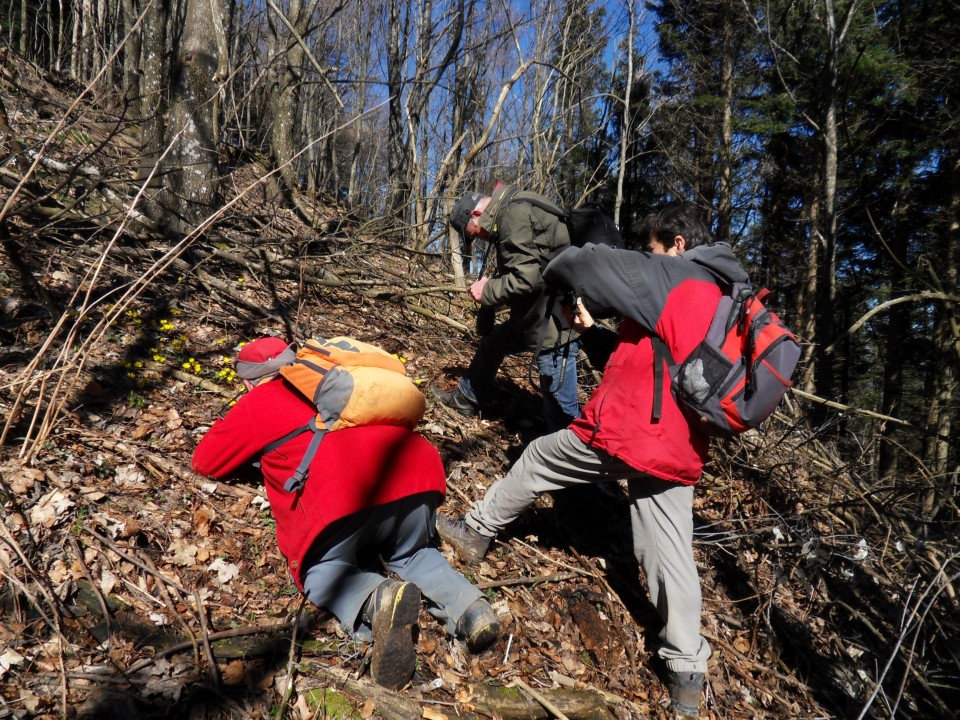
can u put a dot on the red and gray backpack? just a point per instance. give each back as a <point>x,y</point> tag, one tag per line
<point>735,378</point>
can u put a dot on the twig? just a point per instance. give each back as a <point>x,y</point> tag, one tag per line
<point>130,558</point>
<point>291,661</point>
<point>559,577</point>
<point>173,609</point>
<point>95,587</point>
<point>549,559</point>
<point>847,408</point>
<point>211,660</point>
<point>547,705</point>
<point>221,635</point>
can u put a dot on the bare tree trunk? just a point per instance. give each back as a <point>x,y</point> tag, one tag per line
<point>725,190</point>
<point>896,336</point>
<point>396,147</point>
<point>807,302</point>
<point>24,44</point>
<point>131,53</point>
<point>190,178</point>
<point>940,447</point>
<point>625,131</point>
<point>363,32</point>
<point>153,91</point>
<point>285,92</point>
<point>285,89</point>
<point>826,232</point>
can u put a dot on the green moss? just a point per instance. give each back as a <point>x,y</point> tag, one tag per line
<point>334,704</point>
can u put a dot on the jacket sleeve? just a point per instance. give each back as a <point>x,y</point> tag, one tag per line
<point>598,343</point>
<point>627,282</point>
<point>520,258</point>
<point>228,445</point>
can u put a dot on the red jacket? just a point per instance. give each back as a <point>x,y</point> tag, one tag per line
<point>670,297</point>
<point>353,469</point>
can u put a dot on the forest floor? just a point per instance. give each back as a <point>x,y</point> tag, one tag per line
<point>136,589</point>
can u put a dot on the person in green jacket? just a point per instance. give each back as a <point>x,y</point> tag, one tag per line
<point>526,238</point>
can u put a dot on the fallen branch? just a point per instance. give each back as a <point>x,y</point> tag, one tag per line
<point>559,577</point>
<point>847,408</point>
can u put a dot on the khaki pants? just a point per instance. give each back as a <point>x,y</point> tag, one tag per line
<point>661,516</point>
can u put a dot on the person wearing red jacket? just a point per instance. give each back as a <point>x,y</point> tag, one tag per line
<point>626,432</point>
<point>371,492</point>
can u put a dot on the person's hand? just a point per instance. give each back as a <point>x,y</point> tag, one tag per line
<point>582,320</point>
<point>476,290</point>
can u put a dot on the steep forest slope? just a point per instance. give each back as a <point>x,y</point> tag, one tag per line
<point>135,589</point>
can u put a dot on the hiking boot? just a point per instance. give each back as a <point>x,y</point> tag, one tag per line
<point>686,690</point>
<point>392,610</point>
<point>479,625</point>
<point>456,400</point>
<point>470,545</point>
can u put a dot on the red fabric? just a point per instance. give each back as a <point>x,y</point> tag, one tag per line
<point>619,416</point>
<point>262,349</point>
<point>354,469</point>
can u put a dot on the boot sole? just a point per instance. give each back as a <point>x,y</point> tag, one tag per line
<point>394,656</point>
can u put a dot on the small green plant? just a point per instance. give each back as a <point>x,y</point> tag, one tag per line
<point>104,470</point>
<point>135,399</point>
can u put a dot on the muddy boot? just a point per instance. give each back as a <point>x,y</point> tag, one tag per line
<point>392,610</point>
<point>470,545</point>
<point>686,691</point>
<point>479,626</point>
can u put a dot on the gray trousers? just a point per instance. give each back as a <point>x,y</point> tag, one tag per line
<point>401,534</point>
<point>661,515</point>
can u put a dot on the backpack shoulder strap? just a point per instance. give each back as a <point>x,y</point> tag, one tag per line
<point>296,481</point>
<point>661,356</point>
<point>285,439</point>
<point>544,205</point>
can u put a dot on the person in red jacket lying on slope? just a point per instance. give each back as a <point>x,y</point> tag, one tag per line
<point>371,492</point>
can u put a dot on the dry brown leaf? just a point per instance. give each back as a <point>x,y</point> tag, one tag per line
<point>239,508</point>
<point>232,673</point>
<point>430,713</point>
<point>182,553</point>
<point>174,420</point>
<point>130,527</point>
<point>203,519</point>
<point>23,479</point>
<point>51,508</point>
<point>141,431</point>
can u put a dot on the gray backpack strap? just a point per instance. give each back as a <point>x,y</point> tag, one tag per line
<point>296,481</point>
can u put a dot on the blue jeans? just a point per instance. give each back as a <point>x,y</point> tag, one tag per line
<point>558,374</point>
<point>401,533</point>
<point>558,378</point>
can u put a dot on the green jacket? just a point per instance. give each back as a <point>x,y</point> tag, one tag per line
<point>526,238</point>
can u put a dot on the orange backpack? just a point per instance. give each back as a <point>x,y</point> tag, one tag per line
<point>352,383</point>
